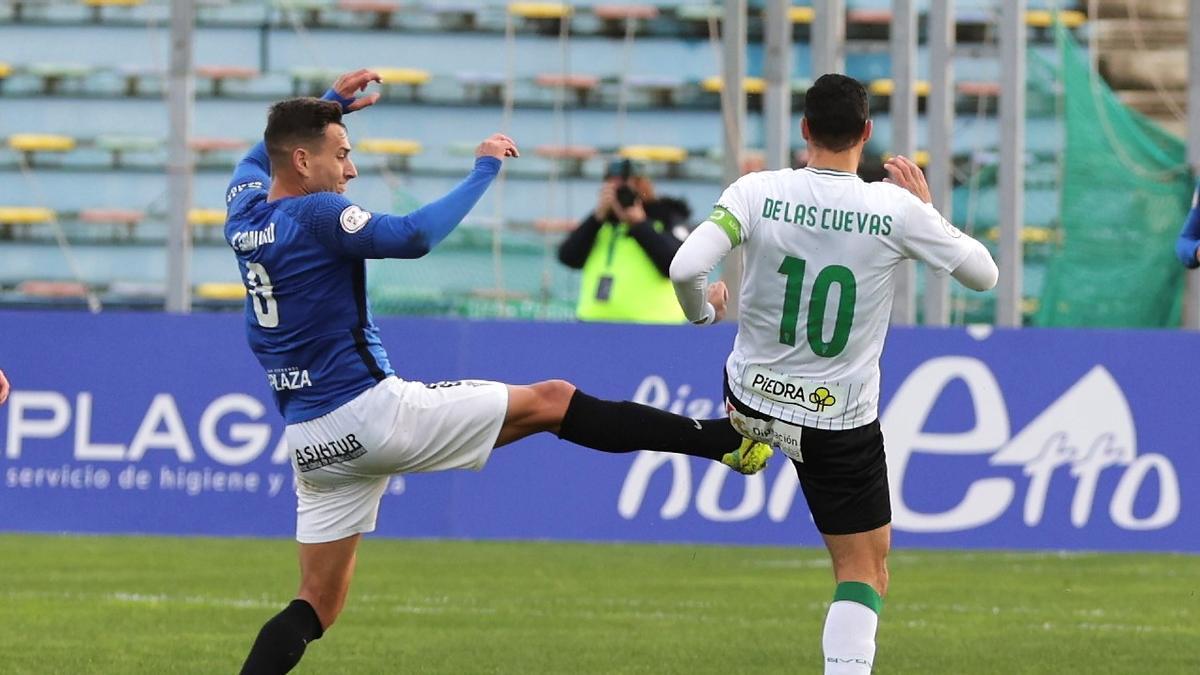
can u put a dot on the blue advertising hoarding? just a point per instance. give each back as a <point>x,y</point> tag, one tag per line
<point>1047,439</point>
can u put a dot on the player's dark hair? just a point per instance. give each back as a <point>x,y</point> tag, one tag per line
<point>836,109</point>
<point>298,122</point>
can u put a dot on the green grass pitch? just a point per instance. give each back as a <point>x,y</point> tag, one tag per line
<point>78,604</point>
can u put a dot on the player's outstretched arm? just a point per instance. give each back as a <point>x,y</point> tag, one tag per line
<point>1187,246</point>
<point>352,231</point>
<point>254,169</point>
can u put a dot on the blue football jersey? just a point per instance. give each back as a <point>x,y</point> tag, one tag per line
<point>302,261</point>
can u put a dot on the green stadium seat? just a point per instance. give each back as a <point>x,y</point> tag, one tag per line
<point>456,16</point>
<point>135,75</point>
<point>118,146</point>
<point>53,75</point>
<point>310,10</point>
<point>659,89</point>
<point>312,81</point>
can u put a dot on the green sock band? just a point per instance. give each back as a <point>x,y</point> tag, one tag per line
<point>863,594</point>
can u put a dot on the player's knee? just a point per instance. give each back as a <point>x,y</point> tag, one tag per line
<point>326,603</point>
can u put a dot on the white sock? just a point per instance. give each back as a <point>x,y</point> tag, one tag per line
<point>849,638</point>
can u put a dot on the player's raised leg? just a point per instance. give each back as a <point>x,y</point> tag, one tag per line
<point>860,569</point>
<point>559,407</point>
<point>325,573</point>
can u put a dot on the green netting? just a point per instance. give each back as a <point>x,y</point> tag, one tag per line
<point>1125,190</point>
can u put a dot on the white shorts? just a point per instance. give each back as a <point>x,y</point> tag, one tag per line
<point>343,460</point>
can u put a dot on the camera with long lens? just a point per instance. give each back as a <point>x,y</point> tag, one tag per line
<point>626,196</point>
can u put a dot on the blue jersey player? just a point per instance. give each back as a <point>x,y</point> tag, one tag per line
<point>351,422</point>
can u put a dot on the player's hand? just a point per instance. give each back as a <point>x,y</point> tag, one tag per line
<point>498,146</point>
<point>718,296</point>
<point>904,172</point>
<point>605,201</point>
<point>351,83</point>
<point>3,388</point>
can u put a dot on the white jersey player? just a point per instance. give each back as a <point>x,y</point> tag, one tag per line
<point>821,249</point>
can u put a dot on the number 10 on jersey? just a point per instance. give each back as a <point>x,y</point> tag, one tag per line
<point>793,269</point>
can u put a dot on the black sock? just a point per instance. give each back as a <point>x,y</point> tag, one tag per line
<point>281,641</point>
<point>624,426</point>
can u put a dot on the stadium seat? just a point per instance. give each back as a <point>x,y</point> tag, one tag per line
<point>52,289</point>
<point>455,16</point>
<point>979,89</point>
<point>920,157</point>
<point>135,74</point>
<point>540,10</point>
<point>413,77</point>
<point>219,74</point>
<point>5,72</point>
<point>869,17</point>
<point>31,144</point>
<point>205,221</point>
<point>660,89</point>
<point>1044,18</point>
<point>98,6</point>
<point>119,218</point>
<point>753,85</point>
<point>554,225</point>
<point>119,145</point>
<point>622,13</point>
<point>398,151</point>
<point>582,85</point>
<point>53,75</point>
<point>381,10</point>
<point>571,156</point>
<point>801,14</point>
<point>670,155</point>
<point>220,291</point>
<point>309,10</point>
<point>886,86</point>
<point>207,147</point>
<point>482,87</point>
<point>312,81</point>
<point>23,217</point>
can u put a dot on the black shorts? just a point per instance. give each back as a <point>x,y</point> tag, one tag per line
<point>843,475</point>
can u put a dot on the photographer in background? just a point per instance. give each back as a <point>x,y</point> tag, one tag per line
<point>625,247</point>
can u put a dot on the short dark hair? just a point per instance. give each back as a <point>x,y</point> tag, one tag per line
<point>836,109</point>
<point>298,121</point>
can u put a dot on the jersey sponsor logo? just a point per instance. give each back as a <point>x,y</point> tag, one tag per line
<point>816,397</point>
<point>354,219</point>
<point>334,452</point>
<point>252,239</point>
<point>826,218</point>
<point>289,379</point>
<point>242,187</point>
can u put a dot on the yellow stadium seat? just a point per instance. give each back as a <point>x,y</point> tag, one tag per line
<point>220,291</point>
<point>801,14</point>
<point>5,70</point>
<point>654,153</point>
<point>390,146</point>
<point>539,10</point>
<point>1030,235</point>
<point>886,86</point>
<point>41,143</point>
<point>397,150</point>
<point>921,157</point>
<point>403,75</point>
<point>1044,18</point>
<point>753,85</point>
<point>24,217</point>
<point>206,217</point>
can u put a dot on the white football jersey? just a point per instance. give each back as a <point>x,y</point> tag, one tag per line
<point>820,248</point>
